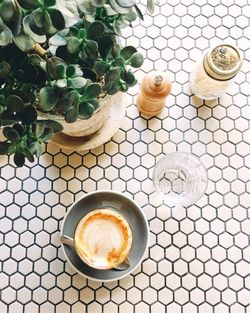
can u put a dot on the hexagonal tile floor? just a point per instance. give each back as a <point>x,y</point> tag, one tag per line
<point>198,258</point>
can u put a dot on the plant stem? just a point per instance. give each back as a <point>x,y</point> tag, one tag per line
<point>39,49</point>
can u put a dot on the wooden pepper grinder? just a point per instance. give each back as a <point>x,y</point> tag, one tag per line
<point>152,96</point>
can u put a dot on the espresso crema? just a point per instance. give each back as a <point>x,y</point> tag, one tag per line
<point>103,239</point>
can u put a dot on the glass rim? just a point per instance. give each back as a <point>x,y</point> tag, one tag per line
<point>181,203</point>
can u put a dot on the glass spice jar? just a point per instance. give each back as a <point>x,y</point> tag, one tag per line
<point>214,73</point>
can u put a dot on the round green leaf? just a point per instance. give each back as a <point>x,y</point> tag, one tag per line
<point>4,69</point>
<point>110,11</point>
<point>127,52</point>
<point>131,16</point>
<point>86,60</point>
<point>101,67</point>
<point>51,66</point>
<point>19,159</point>
<point>92,46</point>
<point>57,19</point>
<point>47,99</point>
<point>30,73</point>
<point>116,50</point>
<point>2,97</point>
<point>95,30</point>
<point>92,91</point>
<point>57,127</point>
<point>15,24</point>
<point>39,130</point>
<point>23,41</point>
<point>15,103</point>
<point>7,10</point>
<point>19,128</point>
<point>36,37</point>
<point>136,60</point>
<point>73,44</point>
<point>114,74</point>
<point>86,6</point>
<point>113,90</point>
<point>124,88</point>
<point>105,44</point>
<point>42,22</point>
<point>117,26</point>
<point>5,35</point>
<point>28,115</point>
<point>72,114</point>
<point>78,82</point>
<point>70,97</point>
<point>82,33</point>
<point>70,71</point>
<point>40,80</point>
<point>22,94</point>
<point>15,56</point>
<point>98,3</point>
<point>54,126</point>
<point>92,49</point>
<point>107,86</point>
<point>90,74</point>
<point>86,109</point>
<point>39,18</point>
<point>117,8</point>
<point>35,59</point>
<point>12,135</point>
<point>61,83</point>
<point>47,135</point>
<point>7,119</point>
<point>5,131</point>
<point>60,71</point>
<point>119,62</point>
<point>150,6</point>
<point>129,77</point>
<point>40,31</point>
<point>94,102</point>
<point>58,40</point>
<point>126,3</point>
<point>29,4</point>
<point>78,71</point>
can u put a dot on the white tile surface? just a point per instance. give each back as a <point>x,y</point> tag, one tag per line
<point>199,259</point>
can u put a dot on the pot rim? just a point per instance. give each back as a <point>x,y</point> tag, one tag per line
<point>60,118</point>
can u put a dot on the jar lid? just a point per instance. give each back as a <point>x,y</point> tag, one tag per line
<point>223,62</point>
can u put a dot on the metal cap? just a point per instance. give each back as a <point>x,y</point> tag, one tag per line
<point>222,62</point>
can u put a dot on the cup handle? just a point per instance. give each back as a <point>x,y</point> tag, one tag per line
<point>67,240</point>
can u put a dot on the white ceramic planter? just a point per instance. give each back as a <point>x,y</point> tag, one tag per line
<point>84,127</point>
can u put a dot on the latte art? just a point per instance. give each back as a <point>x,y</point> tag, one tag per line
<point>103,238</point>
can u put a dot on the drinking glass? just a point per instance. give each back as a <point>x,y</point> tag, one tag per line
<point>180,178</point>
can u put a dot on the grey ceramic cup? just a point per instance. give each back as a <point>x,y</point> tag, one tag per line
<point>120,204</point>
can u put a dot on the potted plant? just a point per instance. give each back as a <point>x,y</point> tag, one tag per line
<point>60,60</point>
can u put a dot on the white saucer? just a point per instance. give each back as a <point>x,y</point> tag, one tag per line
<point>113,123</point>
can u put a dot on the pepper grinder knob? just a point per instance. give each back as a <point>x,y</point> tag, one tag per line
<point>153,92</point>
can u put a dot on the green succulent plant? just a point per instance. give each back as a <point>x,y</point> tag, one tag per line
<point>60,57</point>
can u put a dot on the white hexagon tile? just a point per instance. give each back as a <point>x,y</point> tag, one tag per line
<point>199,258</point>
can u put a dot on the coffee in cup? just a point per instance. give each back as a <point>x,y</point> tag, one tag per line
<point>103,239</point>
